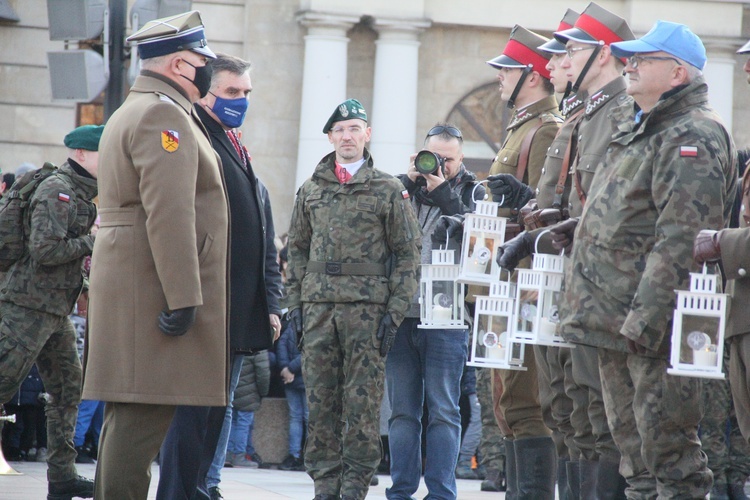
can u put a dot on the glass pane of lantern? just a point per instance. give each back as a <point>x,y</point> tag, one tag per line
<point>516,354</point>
<point>492,338</point>
<point>480,255</point>
<point>699,340</point>
<point>442,300</point>
<point>550,316</point>
<point>527,310</point>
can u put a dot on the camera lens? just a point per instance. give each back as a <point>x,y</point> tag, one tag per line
<point>427,162</point>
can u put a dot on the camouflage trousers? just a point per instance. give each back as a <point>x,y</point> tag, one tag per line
<point>344,377</point>
<point>518,401</point>
<point>491,446</point>
<point>554,367</point>
<point>593,437</point>
<point>654,419</point>
<point>28,336</point>
<point>728,452</point>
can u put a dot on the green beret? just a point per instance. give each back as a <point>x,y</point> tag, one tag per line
<point>85,137</point>
<point>347,110</point>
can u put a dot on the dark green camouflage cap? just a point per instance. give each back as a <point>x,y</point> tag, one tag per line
<point>347,110</point>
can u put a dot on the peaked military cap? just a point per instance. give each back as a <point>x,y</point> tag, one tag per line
<point>522,51</point>
<point>597,24</point>
<point>84,137</point>
<point>744,49</point>
<point>172,34</point>
<point>347,110</point>
<point>554,45</point>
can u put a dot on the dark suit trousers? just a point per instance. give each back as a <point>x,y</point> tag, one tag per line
<point>188,450</point>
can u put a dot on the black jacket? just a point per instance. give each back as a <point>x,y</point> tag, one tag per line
<point>254,277</point>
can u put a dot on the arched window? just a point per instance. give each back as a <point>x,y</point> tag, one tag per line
<point>482,118</point>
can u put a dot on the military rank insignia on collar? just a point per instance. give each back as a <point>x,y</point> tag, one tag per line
<point>689,151</point>
<point>170,140</point>
<point>63,197</point>
<point>595,101</point>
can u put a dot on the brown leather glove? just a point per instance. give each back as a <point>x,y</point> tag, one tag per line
<point>706,246</point>
<point>530,207</point>
<point>542,218</point>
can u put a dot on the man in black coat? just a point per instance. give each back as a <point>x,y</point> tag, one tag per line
<point>255,288</point>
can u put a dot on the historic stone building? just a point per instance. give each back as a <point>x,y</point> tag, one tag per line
<point>410,62</point>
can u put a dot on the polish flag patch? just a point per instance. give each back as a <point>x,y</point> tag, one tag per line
<point>63,197</point>
<point>405,194</point>
<point>689,151</point>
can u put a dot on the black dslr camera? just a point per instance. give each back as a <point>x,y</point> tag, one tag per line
<point>428,162</point>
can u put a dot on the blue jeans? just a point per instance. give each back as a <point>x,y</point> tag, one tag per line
<point>90,414</point>
<point>213,476</point>
<point>298,414</point>
<point>425,364</point>
<point>242,423</point>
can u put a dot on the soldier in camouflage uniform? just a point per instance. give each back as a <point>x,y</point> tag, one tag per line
<point>349,223</point>
<point>38,293</point>
<point>670,169</point>
<point>525,86</point>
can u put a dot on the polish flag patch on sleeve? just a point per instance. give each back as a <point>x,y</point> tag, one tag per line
<point>405,194</point>
<point>63,197</point>
<point>689,151</point>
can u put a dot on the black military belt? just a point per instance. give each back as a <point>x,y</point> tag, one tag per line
<point>346,268</point>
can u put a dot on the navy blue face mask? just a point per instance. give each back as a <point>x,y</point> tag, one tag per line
<point>231,112</point>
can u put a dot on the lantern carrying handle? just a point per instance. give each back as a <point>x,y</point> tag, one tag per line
<point>474,191</point>
<point>548,230</point>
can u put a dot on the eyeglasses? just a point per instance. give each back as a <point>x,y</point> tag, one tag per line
<point>635,61</point>
<point>571,51</point>
<point>439,129</point>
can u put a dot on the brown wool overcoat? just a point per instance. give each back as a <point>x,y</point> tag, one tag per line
<point>162,243</point>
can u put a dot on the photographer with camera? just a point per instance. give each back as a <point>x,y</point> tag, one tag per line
<point>428,364</point>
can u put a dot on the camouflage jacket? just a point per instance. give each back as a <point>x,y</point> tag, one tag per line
<point>49,275</point>
<point>368,220</point>
<point>523,120</point>
<point>668,176</point>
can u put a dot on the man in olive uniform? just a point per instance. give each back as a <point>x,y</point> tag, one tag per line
<point>38,293</point>
<point>158,308</point>
<point>670,168</point>
<point>730,247</point>
<point>354,252</point>
<point>525,86</point>
<point>598,76</point>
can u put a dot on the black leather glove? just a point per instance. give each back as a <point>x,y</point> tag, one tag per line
<point>562,235</point>
<point>177,322</point>
<point>386,334</point>
<point>295,320</point>
<point>511,252</point>
<point>510,191</point>
<point>447,227</point>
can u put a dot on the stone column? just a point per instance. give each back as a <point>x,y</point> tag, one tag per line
<point>394,107</point>
<point>323,84</point>
<point>719,74</point>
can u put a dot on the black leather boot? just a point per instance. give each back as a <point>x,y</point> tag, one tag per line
<point>80,487</point>
<point>535,468</point>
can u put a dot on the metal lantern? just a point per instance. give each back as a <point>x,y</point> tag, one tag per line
<point>484,232</point>
<point>491,341</point>
<point>537,295</point>
<point>698,328</point>
<point>441,299</point>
